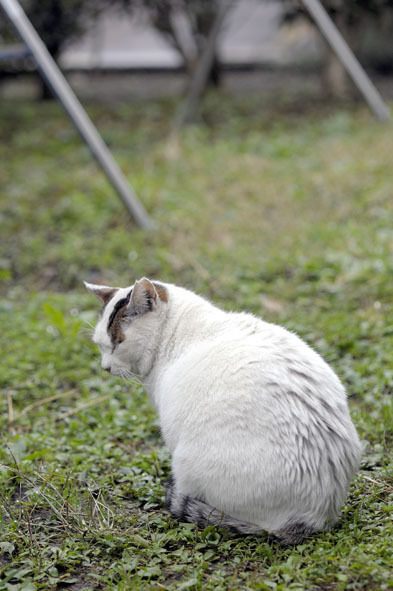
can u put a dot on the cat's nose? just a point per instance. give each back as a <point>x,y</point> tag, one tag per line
<point>108,368</point>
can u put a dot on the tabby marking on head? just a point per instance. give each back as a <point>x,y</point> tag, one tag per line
<point>116,318</point>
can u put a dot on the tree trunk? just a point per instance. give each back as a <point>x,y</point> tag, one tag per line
<point>214,75</point>
<point>335,79</point>
<point>214,78</point>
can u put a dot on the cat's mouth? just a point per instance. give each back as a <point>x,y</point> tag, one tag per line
<point>115,371</point>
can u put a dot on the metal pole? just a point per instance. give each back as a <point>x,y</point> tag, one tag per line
<point>347,58</point>
<point>198,83</point>
<point>76,112</point>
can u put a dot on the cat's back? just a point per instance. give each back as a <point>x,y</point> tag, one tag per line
<point>248,363</point>
<point>216,360</point>
<point>243,345</point>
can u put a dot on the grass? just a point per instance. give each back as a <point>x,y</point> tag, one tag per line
<point>283,212</point>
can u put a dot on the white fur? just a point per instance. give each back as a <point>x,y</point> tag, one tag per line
<point>256,422</point>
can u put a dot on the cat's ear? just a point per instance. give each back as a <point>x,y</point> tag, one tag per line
<point>144,297</point>
<point>102,292</point>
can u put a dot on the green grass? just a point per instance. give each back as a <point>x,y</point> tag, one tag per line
<point>285,213</point>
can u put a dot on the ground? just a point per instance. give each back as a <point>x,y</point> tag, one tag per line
<point>277,207</point>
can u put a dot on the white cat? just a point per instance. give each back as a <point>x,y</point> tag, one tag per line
<point>256,422</point>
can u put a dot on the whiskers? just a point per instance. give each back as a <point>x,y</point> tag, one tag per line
<point>127,374</point>
<point>87,331</point>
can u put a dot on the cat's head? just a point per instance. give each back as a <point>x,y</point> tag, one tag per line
<point>128,330</point>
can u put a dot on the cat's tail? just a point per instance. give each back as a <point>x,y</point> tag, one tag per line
<point>192,510</point>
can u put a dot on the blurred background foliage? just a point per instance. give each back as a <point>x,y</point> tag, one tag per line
<point>185,24</point>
